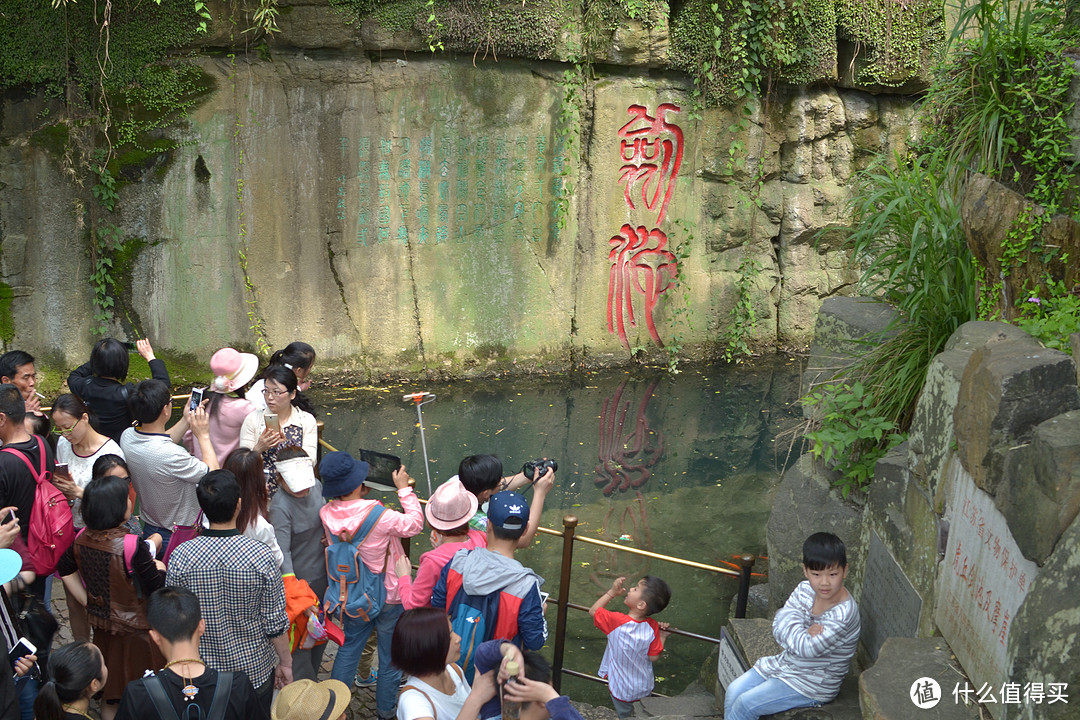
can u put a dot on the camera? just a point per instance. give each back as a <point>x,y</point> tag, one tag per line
<point>541,464</point>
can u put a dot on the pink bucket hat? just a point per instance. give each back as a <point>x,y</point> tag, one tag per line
<point>450,506</point>
<point>232,369</point>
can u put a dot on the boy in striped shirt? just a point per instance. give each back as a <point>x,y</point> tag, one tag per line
<point>634,640</point>
<point>818,628</point>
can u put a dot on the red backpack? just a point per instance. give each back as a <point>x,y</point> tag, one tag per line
<point>52,529</point>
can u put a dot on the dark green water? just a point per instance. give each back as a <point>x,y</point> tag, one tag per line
<point>682,465</point>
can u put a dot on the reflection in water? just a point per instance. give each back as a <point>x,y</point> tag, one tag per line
<point>625,459</point>
<point>681,465</point>
<point>628,523</point>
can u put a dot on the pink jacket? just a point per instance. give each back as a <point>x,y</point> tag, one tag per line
<point>418,594</point>
<point>338,516</point>
<point>225,426</point>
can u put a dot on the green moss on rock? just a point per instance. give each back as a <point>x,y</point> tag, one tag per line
<point>896,39</point>
<point>7,318</point>
<point>52,138</point>
<point>496,29</point>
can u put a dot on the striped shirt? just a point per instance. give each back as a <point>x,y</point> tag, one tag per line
<point>630,644</point>
<point>812,665</point>
<point>242,598</point>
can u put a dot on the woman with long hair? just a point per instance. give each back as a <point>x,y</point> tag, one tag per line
<point>296,356</point>
<point>112,572</point>
<point>100,383</point>
<point>77,672</point>
<point>283,423</point>
<point>247,466</point>
<point>226,404</point>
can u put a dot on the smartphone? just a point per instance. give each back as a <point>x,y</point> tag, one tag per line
<point>382,466</point>
<point>129,346</point>
<point>12,515</point>
<point>272,422</point>
<point>22,648</point>
<point>196,398</point>
<point>61,469</point>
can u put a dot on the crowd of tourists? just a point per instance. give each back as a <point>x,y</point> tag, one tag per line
<point>207,563</point>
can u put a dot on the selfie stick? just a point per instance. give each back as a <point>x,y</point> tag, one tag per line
<point>420,399</point>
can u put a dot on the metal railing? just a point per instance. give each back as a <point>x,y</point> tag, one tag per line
<point>563,604</point>
<point>569,536</point>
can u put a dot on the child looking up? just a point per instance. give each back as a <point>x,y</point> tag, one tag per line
<point>634,640</point>
<point>818,627</point>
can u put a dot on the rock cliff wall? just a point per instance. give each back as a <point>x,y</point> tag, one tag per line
<point>401,210</point>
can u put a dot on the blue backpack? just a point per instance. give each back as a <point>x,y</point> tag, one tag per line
<point>468,621</point>
<point>354,590</point>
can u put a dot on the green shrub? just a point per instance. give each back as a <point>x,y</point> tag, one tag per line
<point>853,435</point>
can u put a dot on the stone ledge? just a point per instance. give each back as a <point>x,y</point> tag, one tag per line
<point>884,689</point>
<point>753,638</point>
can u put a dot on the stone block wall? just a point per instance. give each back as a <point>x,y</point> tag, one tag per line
<point>969,529</point>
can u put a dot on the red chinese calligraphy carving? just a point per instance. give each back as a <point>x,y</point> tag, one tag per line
<point>651,152</point>
<point>639,262</point>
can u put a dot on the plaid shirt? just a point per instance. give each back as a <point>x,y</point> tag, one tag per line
<point>242,597</point>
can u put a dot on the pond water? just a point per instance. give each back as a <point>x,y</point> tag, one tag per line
<point>682,465</point>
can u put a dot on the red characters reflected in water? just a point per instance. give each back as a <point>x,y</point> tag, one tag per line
<point>626,456</point>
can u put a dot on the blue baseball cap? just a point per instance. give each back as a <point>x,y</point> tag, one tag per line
<point>508,510</point>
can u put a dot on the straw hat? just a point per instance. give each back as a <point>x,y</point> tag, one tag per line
<point>232,369</point>
<point>450,506</point>
<point>309,700</point>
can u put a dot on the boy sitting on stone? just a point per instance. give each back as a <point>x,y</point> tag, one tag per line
<point>818,627</point>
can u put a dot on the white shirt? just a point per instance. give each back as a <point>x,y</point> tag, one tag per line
<point>164,475</point>
<point>412,702</point>
<point>255,424</point>
<point>81,468</point>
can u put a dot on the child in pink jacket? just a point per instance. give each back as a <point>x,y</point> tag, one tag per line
<point>448,512</point>
<point>343,481</point>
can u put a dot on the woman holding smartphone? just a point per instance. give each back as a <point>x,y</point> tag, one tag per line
<point>227,406</point>
<point>282,423</point>
<point>100,383</point>
<point>78,447</point>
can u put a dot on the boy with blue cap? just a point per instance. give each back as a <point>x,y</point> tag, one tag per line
<point>490,592</point>
<point>343,481</point>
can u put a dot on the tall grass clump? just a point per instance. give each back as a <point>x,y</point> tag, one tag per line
<point>997,106</point>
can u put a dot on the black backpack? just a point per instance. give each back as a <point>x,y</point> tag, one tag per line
<point>165,710</point>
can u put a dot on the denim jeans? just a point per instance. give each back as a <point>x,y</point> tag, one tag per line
<point>166,535</point>
<point>27,691</point>
<point>622,709</point>
<point>357,631</point>
<point>750,696</point>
